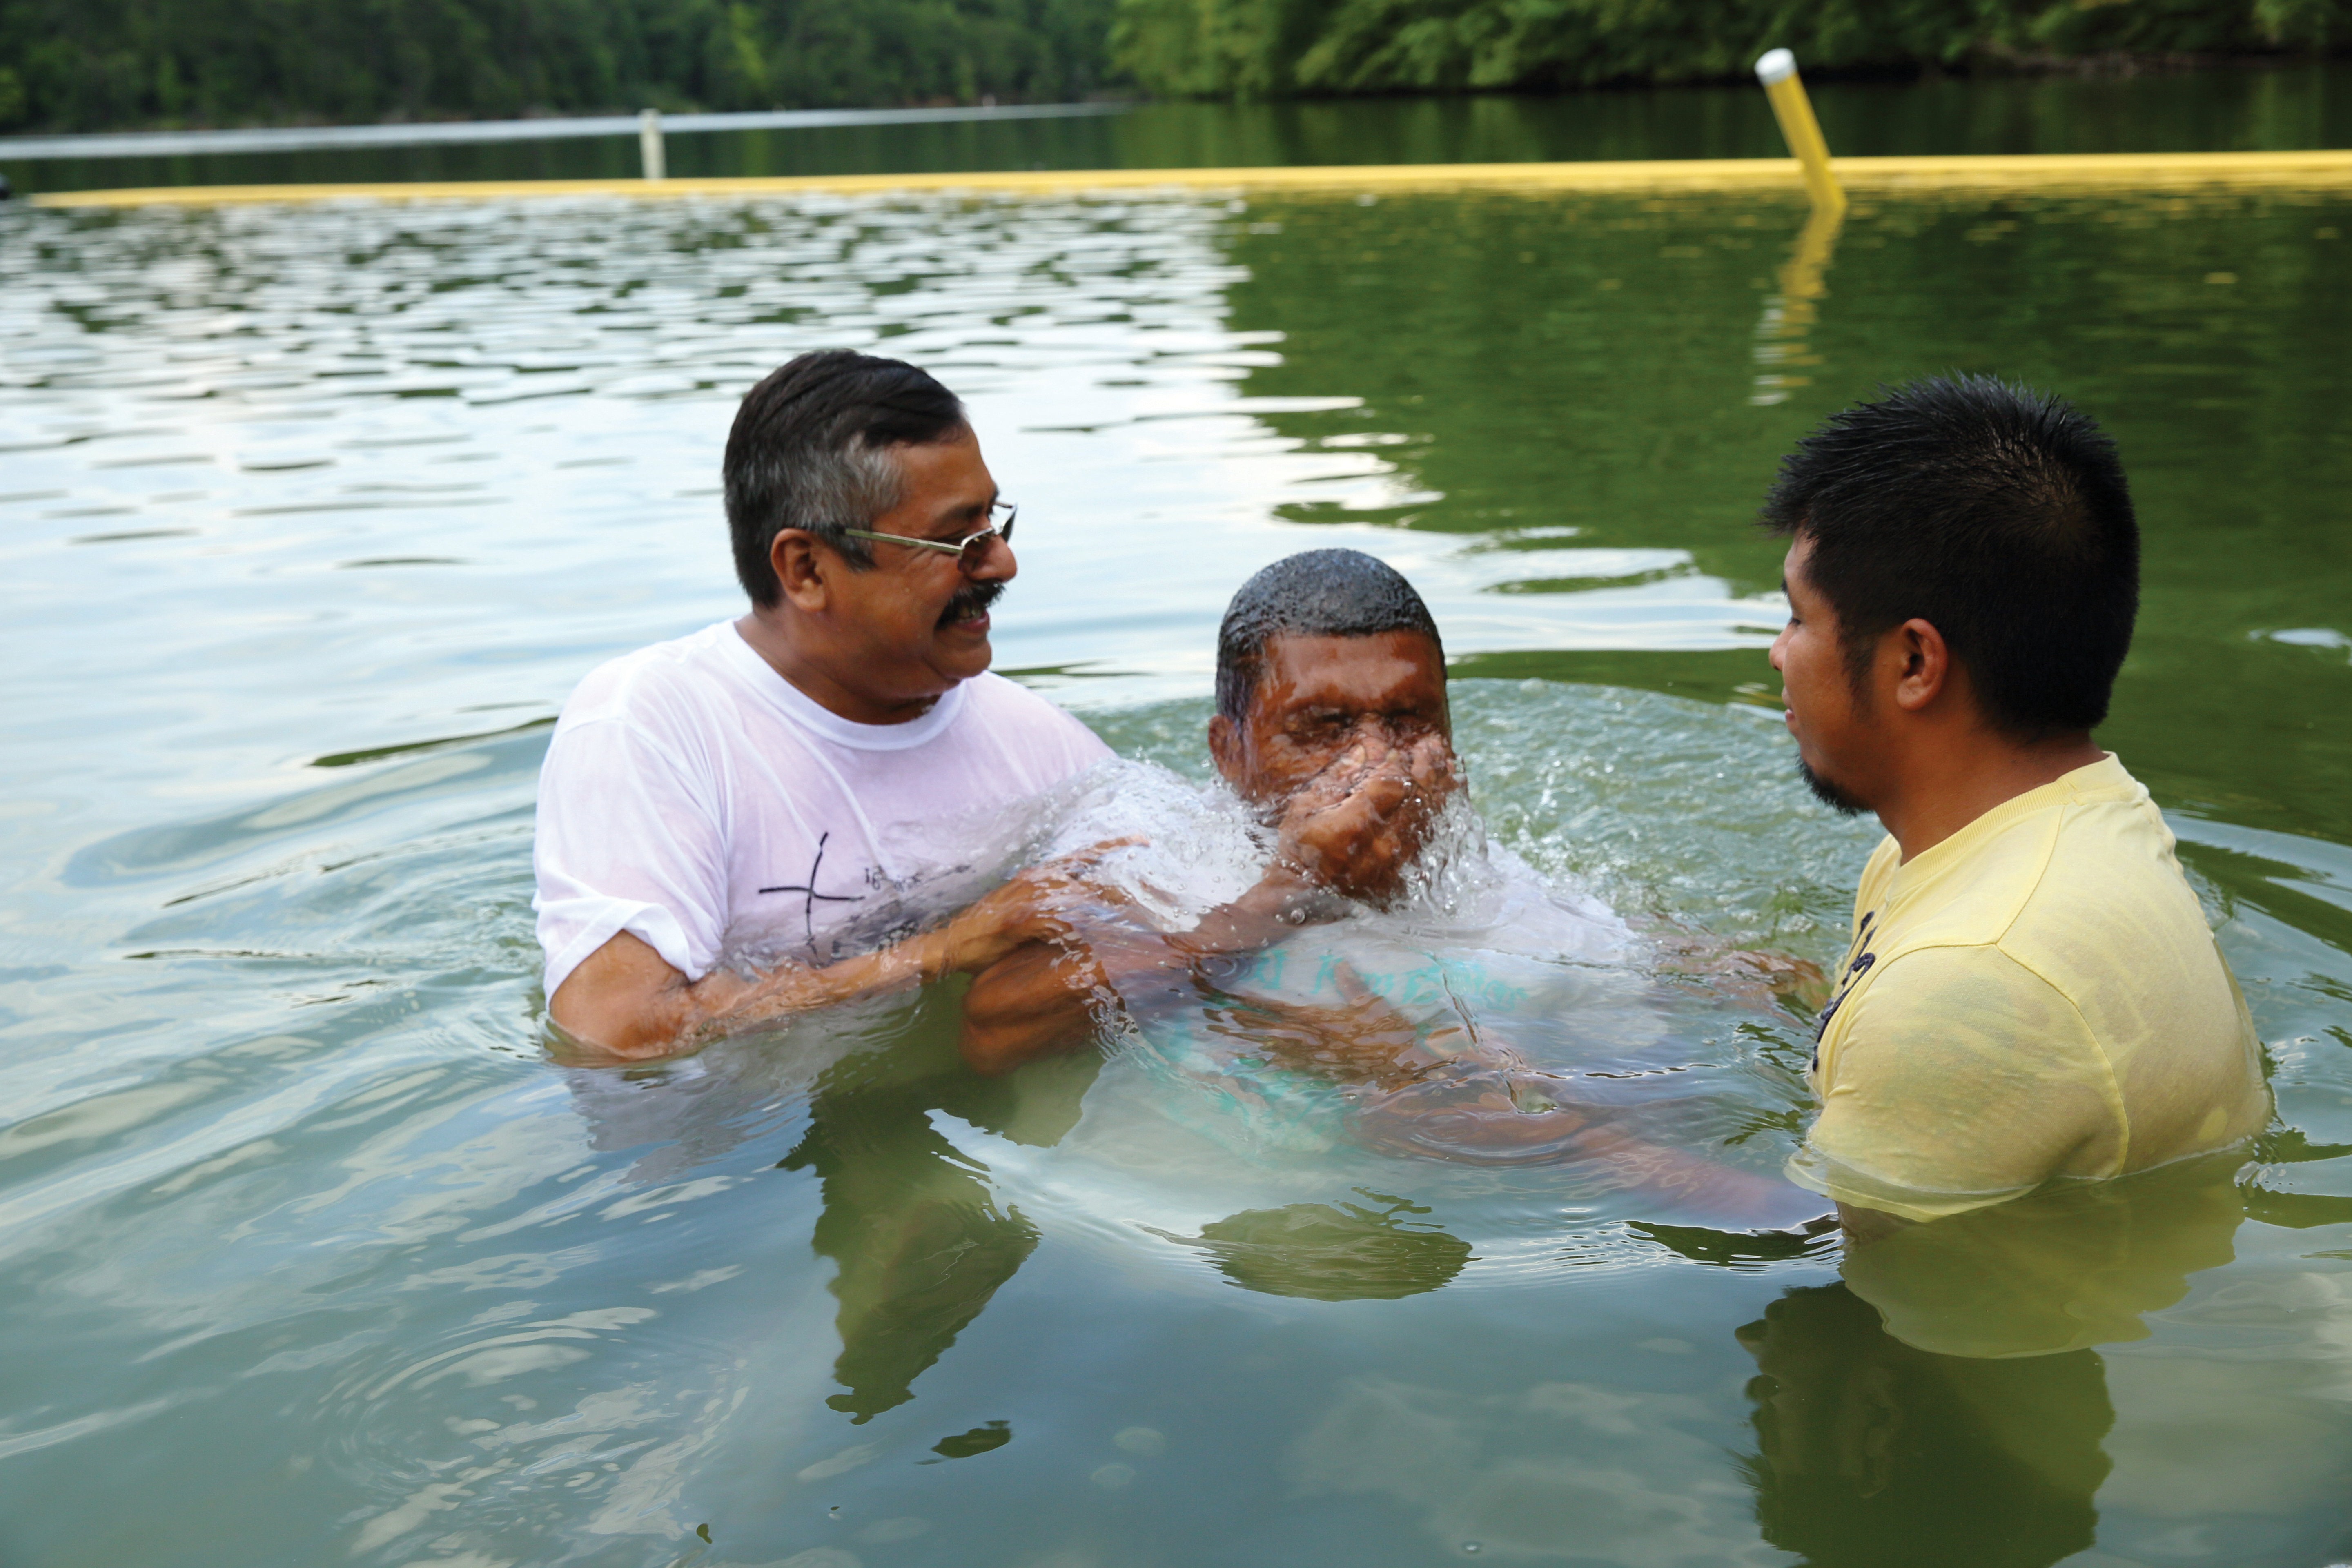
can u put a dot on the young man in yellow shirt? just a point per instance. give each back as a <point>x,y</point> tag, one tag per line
<point>2032,991</point>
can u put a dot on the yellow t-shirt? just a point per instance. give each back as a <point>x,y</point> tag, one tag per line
<point>2036,996</point>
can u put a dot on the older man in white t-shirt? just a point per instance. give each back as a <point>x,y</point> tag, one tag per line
<point>774,785</point>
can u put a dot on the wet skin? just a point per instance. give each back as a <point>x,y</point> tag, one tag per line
<point>1820,706</point>
<point>1317,697</point>
<point>1353,738</point>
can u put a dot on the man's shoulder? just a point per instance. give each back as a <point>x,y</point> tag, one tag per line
<point>2071,859</point>
<point>2083,898</point>
<point>1006,706</point>
<point>1970,895</point>
<point>2114,923</point>
<point>1978,921</point>
<point>995,696</point>
<point>2108,893</point>
<point>648,683</point>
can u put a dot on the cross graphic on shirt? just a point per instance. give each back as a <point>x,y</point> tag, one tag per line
<point>810,898</point>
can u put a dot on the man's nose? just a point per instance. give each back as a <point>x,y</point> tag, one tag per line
<point>1779,643</point>
<point>997,562</point>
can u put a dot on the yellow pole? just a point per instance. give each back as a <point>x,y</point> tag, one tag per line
<point>1778,71</point>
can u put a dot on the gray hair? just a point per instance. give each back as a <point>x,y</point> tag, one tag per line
<point>829,493</point>
<point>814,447</point>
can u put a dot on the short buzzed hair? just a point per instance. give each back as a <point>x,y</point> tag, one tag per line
<point>1315,594</point>
<point>811,449</point>
<point>1997,514</point>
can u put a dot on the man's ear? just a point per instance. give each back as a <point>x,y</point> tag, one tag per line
<point>800,569</point>
<point>1225,749</point>
<point>1923,664</point>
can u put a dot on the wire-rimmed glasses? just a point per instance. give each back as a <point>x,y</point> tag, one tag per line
<point>969,551</point>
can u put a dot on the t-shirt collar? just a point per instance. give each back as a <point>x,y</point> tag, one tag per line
<point>799,707</point>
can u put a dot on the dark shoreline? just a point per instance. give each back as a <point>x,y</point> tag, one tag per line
<point>1989,66</point>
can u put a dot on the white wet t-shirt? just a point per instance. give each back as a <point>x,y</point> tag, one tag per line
<point>695,799</point>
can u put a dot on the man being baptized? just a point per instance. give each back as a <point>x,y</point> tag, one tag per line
<point>1332,949</point>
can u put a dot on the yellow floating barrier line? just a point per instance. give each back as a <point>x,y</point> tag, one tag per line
<point>2108,170</point>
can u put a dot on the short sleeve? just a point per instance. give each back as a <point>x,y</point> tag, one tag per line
<point>627,839</point>
<point>1961,1079</point>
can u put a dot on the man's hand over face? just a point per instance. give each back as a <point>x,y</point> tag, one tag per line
<point>1357,825</point>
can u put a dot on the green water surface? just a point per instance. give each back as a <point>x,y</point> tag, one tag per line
<point>313,516</point>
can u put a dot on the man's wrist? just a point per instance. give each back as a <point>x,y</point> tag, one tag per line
<point>1281,901</point>
<point>932,955</point>
<point>1286,896</point>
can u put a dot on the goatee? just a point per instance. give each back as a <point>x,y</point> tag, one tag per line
<point>1828,794</point>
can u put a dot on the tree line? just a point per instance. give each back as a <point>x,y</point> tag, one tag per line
<point>84,64</point>
<point>89,65</point>
<point>1284,48</point>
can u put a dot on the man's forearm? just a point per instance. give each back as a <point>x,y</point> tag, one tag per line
<point>1039,1002</point>
<point>628,1004</point>
<point>726,1004</point>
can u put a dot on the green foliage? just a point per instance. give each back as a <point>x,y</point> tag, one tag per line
<point>100,64</point>
<point>1248,48</point>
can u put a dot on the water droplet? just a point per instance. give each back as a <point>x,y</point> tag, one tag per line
<point>1472,1547</point>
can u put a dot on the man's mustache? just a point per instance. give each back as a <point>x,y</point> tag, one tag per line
<point>971,600</point>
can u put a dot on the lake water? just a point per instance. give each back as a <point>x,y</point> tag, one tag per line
<point>315,515</point>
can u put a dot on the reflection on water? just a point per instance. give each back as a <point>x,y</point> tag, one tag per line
<point>918,1241</point>
<point>1790,314</point>
<point>311,1254</point>
<point>1349,1253</point>
<point>916,1237</point>
<point>1870,1452</point>
<point>2078,1265</point>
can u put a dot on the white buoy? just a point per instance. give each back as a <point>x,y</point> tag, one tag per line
<point>649,143</point>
